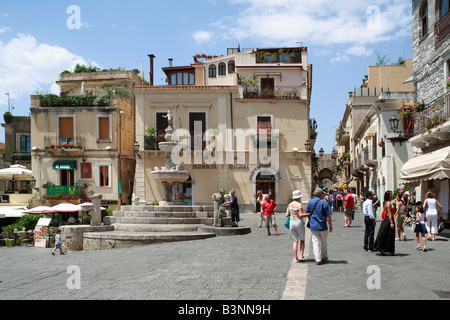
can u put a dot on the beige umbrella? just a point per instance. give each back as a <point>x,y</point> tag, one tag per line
<point>15,172</point>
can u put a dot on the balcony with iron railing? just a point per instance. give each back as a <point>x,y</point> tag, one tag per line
<point>287,93</point>
<point>442,29</point>
<point>279,56</point>
<point>58,143</point>
<point>18,155</point>
<point>369,156</point>
<point>432,116</point>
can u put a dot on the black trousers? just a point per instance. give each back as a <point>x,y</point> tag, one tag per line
<point>369,234</point>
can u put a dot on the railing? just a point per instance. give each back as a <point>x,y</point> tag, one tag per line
<point>17,155</point>
<point>435,113</point>
<point>280,56</point>
<point>370,156</point>
<point>64,143</point>
<point>441,29</point>
<point>276,93</point>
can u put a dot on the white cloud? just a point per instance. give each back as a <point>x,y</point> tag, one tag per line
<point>4,29</point>
<point>326,23</point>
<point>202,36</point>
<point>27,66</point>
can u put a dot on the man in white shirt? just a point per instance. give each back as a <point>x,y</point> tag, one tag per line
<point>369,221</point>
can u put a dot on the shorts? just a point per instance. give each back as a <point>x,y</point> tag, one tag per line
<point>270,220</point>
<point>57,245</point>
<point>297,230</point>
<point>400,219</point>
<point>348,212</point>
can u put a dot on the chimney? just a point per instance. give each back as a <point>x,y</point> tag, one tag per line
<point>151,56</point>
<point>170,62</point>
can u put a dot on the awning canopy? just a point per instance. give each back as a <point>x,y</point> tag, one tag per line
<point>372,131</point>
<point>15,172</point>
<point>65,164</point>
<point>11,211</point>
<point>430,166</point>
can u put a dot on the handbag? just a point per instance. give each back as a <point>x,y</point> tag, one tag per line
<point>308,225</point>
<point>441,227</point>
<point>286,224</point>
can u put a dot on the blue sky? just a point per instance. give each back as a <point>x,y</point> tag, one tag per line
<point>342,37</point>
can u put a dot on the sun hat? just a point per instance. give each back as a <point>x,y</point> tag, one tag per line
<point>296,194</point>
<point>318,190</point>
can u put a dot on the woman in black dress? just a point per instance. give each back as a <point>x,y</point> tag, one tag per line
<point>385,241</point>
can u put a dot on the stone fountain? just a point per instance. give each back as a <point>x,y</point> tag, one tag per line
<point>171,176</point>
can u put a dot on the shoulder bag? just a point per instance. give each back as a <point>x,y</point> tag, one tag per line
<point>314,208</point>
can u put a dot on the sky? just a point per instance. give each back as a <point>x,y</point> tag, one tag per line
<point>39,39</point>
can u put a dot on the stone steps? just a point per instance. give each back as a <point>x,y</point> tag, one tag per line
<point>144,225</point>
<point>122,239</point>
<point>157,220</point>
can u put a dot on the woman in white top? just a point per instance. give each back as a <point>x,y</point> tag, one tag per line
<point>433,209</point>
<point>297,225</point>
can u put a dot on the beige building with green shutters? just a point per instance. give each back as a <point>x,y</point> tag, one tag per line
<point>256,104</point>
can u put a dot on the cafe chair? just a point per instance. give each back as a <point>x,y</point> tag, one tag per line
<point>6,238</point>
<point>23,238</point>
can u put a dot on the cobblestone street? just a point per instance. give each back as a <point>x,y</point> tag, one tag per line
<point>249,267</point>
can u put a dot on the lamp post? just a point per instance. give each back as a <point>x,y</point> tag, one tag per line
<point>308,146</point>
<point>136,147</point>
<point>321,152</point>
<point>394,123</point>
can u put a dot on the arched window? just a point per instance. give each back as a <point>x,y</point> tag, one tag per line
<point>222,69</point>
<point>212,71</point>
<point>231,66</point>
<point>443,8</point>
<point>424,18</point>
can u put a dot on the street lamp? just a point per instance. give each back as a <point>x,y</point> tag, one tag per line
<point>136,147</point>
<point>321,152</point>
<point>394,123</point>
<point>33,182</point>
<point>308,146</point>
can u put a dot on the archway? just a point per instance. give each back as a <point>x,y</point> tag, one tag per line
<point>326,178</point>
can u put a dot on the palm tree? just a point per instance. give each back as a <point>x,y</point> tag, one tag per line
<point>382,60</point>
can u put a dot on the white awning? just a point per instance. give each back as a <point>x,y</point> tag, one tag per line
<point>372,131</point>
<point>12,211</point>
<point>430,166</point>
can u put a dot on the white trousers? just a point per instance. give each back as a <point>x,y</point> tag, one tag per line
<point>319,241</point>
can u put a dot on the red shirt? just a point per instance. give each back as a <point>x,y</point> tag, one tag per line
<point>349,201</point>
<point>268,207</point>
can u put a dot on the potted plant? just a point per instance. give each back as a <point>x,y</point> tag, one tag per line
<point>7,116</point>
<point>419,106</point>
<point>406,113</point>
<point>150,139</point>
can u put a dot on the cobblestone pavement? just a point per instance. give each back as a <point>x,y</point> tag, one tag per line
<point>249,267</point>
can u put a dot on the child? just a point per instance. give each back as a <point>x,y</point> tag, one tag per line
<point>420,227</point>
<point>58,244</point>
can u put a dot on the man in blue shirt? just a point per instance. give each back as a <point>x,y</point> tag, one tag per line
<point>319,221</point>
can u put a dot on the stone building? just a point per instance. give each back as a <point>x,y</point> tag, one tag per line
<point>369,152</point>
<point>430,130</point>
<point>253,106</point>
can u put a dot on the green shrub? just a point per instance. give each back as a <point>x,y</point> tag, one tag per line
<point>7,116</point>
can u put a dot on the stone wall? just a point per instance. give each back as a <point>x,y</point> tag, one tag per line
<point>72,235</point>
<point>429,63</point>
